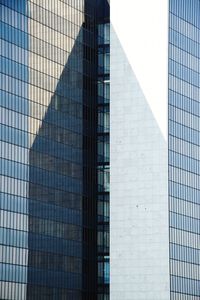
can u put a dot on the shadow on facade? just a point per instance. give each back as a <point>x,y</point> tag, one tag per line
<point>62,188</point>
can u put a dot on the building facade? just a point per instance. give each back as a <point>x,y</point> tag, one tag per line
<point>48,150</point>
<point>99,150</point>
<point>183,145</point>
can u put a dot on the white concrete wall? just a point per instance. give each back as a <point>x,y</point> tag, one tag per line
<point>139,244</point>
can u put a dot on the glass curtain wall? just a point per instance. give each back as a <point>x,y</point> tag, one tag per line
<point>103,151</point>
<point>184,143</point>
<point>47,171</point>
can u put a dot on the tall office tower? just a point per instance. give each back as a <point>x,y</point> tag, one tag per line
<point>154,161</point>
<point>48,149</point>
<point>184,130</point>
<point>99,150</point>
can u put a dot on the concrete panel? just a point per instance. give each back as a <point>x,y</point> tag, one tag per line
<point>139,190</point>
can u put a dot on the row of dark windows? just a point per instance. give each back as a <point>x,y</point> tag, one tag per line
<point>41,144</point>
<point>22,89</point>
<point>41,260</point>
<point>47,128</point>
<point>36,276</point>
<point>39,209</point>
<point>56,115</point>
<point>38,176</point>
<point>38,242</point>
<point>75,85</point>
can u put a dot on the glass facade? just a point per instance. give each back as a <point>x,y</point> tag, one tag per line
<point>48,149</point>
<point>103,151</point>
<point>184,171</point>
<point>103,148</point>
<point>55,149</point>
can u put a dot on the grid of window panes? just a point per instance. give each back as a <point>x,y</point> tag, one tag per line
<point>47,87</point>
<point>103,159</point>
<point>184,148</point>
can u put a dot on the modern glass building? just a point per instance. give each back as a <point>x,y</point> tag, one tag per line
<point>184,130</point>
<point>99,150</point>
<point>48,207</point>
